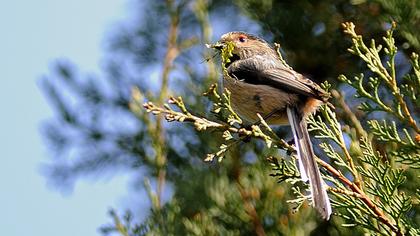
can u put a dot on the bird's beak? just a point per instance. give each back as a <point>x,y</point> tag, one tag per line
<point>218,45</point>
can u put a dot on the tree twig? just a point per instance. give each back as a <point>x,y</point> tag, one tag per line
<point>361,195</point>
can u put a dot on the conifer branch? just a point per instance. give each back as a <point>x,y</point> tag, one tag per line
<point>370,196</point>
<point>370,55</point>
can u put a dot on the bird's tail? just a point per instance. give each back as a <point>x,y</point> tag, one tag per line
<point>307,163</point>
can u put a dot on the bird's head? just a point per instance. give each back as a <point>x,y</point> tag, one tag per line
<point>240,45</point>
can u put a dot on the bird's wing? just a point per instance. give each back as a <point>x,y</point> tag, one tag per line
<point>260,70</point>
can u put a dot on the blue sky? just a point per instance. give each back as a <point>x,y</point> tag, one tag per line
<point>33,34</point>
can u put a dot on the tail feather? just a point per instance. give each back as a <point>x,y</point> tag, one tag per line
<point>307,163</point>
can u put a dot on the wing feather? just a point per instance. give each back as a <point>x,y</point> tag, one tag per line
<point>262,70</point>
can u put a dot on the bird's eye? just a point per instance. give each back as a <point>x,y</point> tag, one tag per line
<point>242,38</point>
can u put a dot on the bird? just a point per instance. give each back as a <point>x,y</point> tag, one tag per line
<point>260,82</point>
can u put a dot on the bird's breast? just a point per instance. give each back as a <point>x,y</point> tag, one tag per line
<point>249,99</point>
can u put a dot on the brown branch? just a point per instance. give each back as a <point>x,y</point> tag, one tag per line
<point>362,196</point>
<point>250,209</point>
<point>407,114</point>
<point>202,124</point>
<point>344,192</point>
<point>356,122</point>
<point>202,15</point>
<point>199,122</point>
<point>371,57</point>
<point>170,55</point>
<point>349,159</point>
